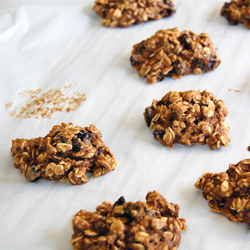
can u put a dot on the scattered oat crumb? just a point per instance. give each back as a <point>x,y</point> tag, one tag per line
<point>9,105</point>
<point>234,90</point>
<point>67,86</point>
<point>31,93</point>
<point>45,103</point>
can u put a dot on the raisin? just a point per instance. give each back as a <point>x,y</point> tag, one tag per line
<point>81,135</point>
<point>33,173</point>
<point>128,208</point>
<point>141,46</point>
<point>170,11</point>
<point>149,114</point>
<point>178,69</point>
<point>198,64</point>
<point>60,139</point>
<point>211,65</point>
<point>159,133</point>
<point>120,201</point>
<point>99,151</point>
<point>162,77</point>
<point>59,153</point>
<point>170,3</point>
<point>133,62</point>
<point>100,226</point>
<point>76,148</point>
<point>234,212</point>
<point>183,41</point>
<point>88,137</point>
<point>76,145</point>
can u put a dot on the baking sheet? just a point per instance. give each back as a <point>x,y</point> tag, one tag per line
<point>61,42</point>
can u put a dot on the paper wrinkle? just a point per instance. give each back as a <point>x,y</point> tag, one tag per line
<point>17,23</point>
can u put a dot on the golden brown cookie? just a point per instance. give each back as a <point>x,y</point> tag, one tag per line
<point>188,118</point>
<point>67,153</point>
<point>124,13</point>
<point>127,225</point>
<point>173,53</point>
<point>229,193</point>
<point>237,11</point>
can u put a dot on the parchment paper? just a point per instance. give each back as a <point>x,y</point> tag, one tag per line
<point>61,42</point>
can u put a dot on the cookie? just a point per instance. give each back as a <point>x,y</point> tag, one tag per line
<point>237,11</point>
<point>66,153</point>
<point>173,53</point>
<point>188,118</point>
<point>229,192</point>
<point>128,225</point>
<point>124,13</point>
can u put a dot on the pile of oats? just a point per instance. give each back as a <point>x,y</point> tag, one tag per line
<point>128,225</point>
<point>190,117</point>
<point>173,53</point>
<point>45,103</point>
<point>124,13</point>
<point>67,153</point>
<point>229,193</point>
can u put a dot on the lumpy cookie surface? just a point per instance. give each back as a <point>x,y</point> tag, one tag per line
<point>124,13</point>
<point>128,225</point>
<point>188,118</point>
<point>237,11</point>
<point>67,153</point>
<point>173,53</point>
<point>229,192</point>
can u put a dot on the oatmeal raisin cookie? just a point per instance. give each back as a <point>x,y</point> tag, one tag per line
<point>237,11</point>
<point>124,13</point>
<point>229,192</point>
<point>127,225</point>
<point>189,117</point>
<point>67,153</point>
<point>173,53</point>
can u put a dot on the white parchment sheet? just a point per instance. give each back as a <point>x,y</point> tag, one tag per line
<point>61,42</point>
